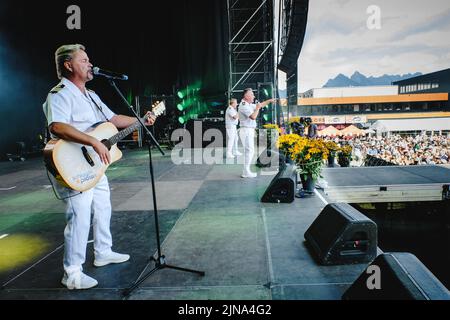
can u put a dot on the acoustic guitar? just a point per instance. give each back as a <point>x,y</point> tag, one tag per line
<point>78,166</point>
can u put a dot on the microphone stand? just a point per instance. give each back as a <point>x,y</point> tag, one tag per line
<point>160,260</point>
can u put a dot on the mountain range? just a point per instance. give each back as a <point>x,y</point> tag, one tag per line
<point>358,79</point>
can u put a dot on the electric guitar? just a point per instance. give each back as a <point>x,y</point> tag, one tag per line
<point>79,167</point>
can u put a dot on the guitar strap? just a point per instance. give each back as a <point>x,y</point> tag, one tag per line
<point>98,107</point>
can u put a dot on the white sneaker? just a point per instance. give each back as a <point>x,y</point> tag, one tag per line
<point>237,153</point>
<point>249,175</point>
<point>229,156</point>
<point>78,280</point>
<point>112,257</point>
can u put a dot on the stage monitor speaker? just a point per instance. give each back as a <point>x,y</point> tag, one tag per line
<point>266,158</point>
<point>342,235</point>
<point>397,276</point>
<point>283,185</point>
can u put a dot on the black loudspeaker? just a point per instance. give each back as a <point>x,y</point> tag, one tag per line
<point>342,235</point>
<point>266,158</point>
<point>397,276</point>
<point>298,14</point>
<point>198,127</point>
<point>283,185</point>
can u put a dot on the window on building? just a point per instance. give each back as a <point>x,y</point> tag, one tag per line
<point>308,110</point>
<point>356,107</point>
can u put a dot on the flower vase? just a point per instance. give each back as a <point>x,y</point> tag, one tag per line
<point>308,182</point>
<point>344,161</point>
<point>331,159</point>
<point>287,158</point>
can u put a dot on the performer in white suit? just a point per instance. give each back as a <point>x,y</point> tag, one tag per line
<point>231,121</point>
<point>70,109</point>
<point>248,112</point>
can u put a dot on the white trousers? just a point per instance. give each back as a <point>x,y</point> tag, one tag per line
<point>78,218</point>
<point>248,141</point>
<point>232,140</point>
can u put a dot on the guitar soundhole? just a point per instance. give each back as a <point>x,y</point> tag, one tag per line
<point>106,143</point>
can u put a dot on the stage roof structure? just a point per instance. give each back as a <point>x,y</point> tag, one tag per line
<point>251,50</point>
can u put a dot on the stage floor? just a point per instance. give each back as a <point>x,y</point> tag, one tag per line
<point>210,219</point>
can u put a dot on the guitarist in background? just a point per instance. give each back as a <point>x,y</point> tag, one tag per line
<point>70,110</point>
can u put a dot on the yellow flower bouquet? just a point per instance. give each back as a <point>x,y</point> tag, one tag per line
<point>271,126</point>
<point>286,141</point>
<point>345,155</point>
<point>309,154</point>
<point>333,148</point>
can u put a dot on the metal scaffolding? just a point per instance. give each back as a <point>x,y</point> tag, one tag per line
<point>251,46</point>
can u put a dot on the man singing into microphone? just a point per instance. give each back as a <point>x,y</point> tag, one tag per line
<point>70,110</point>
<point>248,112</point>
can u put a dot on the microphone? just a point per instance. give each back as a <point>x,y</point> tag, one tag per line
<point>109,74</point>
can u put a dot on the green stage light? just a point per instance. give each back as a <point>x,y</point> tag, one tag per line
<point>189,90</point>
<point>186,103</point>
<point>266,117</point>
<point>266,92</point>
<point>181,120</point>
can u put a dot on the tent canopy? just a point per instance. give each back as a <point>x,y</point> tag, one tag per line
<point>329,131</point>
<point>397,125</point>
<point>352,130</point>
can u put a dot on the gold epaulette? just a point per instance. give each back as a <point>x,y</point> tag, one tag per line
<point>57,88</point>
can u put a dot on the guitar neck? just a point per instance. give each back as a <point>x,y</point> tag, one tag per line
<point>122,134</point>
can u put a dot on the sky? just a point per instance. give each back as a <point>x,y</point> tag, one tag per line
<point>414,36</point>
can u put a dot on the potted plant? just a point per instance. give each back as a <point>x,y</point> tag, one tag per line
<point>333,148</point>
<point>309,154</point>
<point>285,143</point>
<point>345,156</point>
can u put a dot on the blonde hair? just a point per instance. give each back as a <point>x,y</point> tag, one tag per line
<point>247,90</point>
<point>65,53</point>
<point>232,100</point>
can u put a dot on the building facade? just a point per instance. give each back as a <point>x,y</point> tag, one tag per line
<point>424,96</point>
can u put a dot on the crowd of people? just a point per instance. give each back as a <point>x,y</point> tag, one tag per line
<point>401,150</point>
